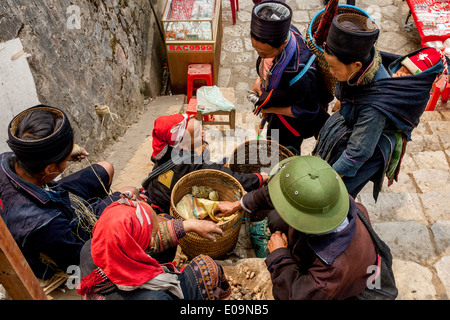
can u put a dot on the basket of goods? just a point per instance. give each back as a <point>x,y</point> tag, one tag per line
<point>257,156</point>
<point>317,35</point>
<point>195,196</point>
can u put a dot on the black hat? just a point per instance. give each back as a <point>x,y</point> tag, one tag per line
<point>271,20</point>
<point>54,148</point>
<point>352,35</point>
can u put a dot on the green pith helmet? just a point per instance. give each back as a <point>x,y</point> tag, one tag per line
<point>308,194</point>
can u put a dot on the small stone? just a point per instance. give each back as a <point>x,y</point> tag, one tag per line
<point>247,297</point>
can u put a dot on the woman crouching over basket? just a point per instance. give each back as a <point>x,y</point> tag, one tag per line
<point>120,261</point>
<point>366,138</point>
<point>178,149</point>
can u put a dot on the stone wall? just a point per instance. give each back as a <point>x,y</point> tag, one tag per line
<point>87,52</point>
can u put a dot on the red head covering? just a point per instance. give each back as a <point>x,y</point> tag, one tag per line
<point>422,61</point>
<point>167,131</point>
<point>119,239</point>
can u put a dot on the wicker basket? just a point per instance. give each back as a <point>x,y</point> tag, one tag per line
<point>322,64</point>
<point>229,189</point>
<point>246,156</point>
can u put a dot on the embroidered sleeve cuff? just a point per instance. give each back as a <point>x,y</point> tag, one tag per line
<point>179,228</point>
<point>170,231</point>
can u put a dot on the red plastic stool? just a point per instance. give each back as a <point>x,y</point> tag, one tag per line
<point>234,8</point>
<point>437,92</point>
<point>198,71</point>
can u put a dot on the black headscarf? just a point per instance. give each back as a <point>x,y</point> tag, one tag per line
<point>36,154</point>
<point>271,20</point>
<point>344,41</point>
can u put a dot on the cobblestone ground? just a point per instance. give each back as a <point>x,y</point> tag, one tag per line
<point>412,216</point>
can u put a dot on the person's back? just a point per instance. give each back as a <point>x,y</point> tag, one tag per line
<point>322,267</point>
<point>319,248</point>
<point>50,220</point>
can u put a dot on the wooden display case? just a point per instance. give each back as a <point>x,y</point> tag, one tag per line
<point>193,34</point>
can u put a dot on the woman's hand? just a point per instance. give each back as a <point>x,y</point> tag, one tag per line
<point>78,153</point>
<point>277,240</point>
<point>203,228</point>
<point>227,208</point>
<point>257,86</point>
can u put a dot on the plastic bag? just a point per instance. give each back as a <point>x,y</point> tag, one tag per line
<point>210,99</point>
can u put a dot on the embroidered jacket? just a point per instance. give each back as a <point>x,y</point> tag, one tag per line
<point>42,222</point>
<point>329,266</point>
<point>370,116</point>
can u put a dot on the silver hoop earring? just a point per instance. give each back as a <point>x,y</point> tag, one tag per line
<point>351,76</point>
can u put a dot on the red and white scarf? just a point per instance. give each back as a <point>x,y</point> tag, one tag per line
<point>119,239</point>
<point>168,131</point>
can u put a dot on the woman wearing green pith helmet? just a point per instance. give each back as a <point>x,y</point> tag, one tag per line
<point>319,248</point>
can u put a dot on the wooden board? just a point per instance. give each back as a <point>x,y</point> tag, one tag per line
<point>16,275</point>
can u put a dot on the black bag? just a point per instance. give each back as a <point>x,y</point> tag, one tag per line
<point>387,289</point>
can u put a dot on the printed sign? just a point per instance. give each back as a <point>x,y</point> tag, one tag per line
<point>189,48</point>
